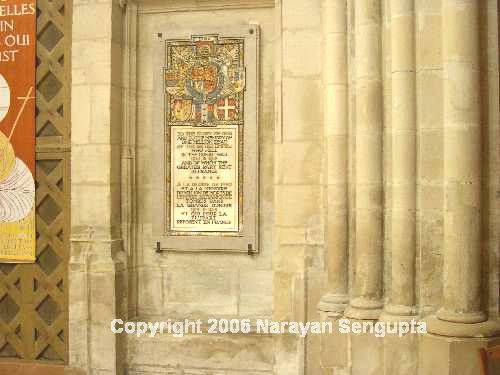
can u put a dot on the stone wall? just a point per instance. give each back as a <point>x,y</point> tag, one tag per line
<point>380,172</point>
<point>177,285</point>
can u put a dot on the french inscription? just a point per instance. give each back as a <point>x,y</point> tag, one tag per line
<point>205,187</point>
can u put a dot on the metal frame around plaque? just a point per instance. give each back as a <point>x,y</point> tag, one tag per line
<point>216,101</point>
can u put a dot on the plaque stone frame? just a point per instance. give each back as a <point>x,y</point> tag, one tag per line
<point>245,236</point>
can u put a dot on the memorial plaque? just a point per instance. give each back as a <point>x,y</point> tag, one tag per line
<point>205,84</point>
<point>204,179</point>
<point>209,106</point>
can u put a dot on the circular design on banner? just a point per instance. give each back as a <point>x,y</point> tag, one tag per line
<point>7,157</point>
<point>4,97</point>
<point>17,194</point>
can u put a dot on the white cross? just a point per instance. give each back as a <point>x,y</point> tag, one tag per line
<point>226,108</point>
<point>25,100</point>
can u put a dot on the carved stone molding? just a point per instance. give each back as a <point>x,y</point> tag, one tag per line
<point>160,6</point>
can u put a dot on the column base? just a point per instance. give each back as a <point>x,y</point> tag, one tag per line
<point>398,313</point>
<point>364,309</point>
<point>440,355</point>
<point>400,310</point>
<point>465,318</point>
<point>438,326</point>
<point>333,304</point>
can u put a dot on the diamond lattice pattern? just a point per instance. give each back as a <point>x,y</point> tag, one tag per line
<point>33,297</point>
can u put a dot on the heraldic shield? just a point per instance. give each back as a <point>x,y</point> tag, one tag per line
<point>205,81</point>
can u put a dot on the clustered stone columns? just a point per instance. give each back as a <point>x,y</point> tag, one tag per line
<point>462,163</point>
<point>366,302</point>
<point>404,159</point>
<point>334,299</point>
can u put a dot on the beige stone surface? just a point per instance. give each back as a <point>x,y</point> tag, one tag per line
<point>379,182</point>
<point>202,352</point>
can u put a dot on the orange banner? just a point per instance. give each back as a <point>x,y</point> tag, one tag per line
<point>17,130</point>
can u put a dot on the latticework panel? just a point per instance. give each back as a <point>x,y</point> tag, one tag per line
<point>33,297</point>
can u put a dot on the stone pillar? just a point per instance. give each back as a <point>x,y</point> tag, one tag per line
<point>334,299</point>
<point>367,303</point>
<point>404,159</point>
<point>462,313</point>
<point>462,163</point>
<point>461,327</point>
<point>299,184</point>
<point>97,264</point>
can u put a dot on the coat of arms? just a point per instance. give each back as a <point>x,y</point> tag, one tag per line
<point>205,81</point>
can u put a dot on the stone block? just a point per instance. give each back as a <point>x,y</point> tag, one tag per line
<point>294,11</point>
<point>367,354</point>
<point>298,205</point>
<point>335,69</point>
<point>301,162</point>
<point>440,355</point>
<point>431,156</point>
<point>150,298</point>
<point>337,150</point>
<point>367,12</point>
<point>429,47</point>
<point>289,355</point>
<point>256,293</point>
<point>201,289</point>
<point>401,354</point>
<point>291,236</point>
<point>282,296</point>
<point>403,59</point>
<point>80,110</point>
<point>430,99</point>
<point>214,353</point>
<point>93,204</point>
<point>369,105</point>
<point>313,354</point>
<point>102,294</point>
<point>100,120</point>
<point>85,30</point>
<point>336,110</point>
<point>403,101</point>
<point>102,346</point>
<point>297,45</point>
<point>334,346</point>
<point>93,166</point>
<point>431,258</point>
<point>78,345</point>
<point>369,53</point>
<point>290,258</point>
<point>94,58</point>
<point>302,118</point>
<point>299,295</point>
<point>145,74</point>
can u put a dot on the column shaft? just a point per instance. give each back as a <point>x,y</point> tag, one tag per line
<point>334,299</point>
<point>404,158</point>
<point>462,163</point>
<point>369,127</point>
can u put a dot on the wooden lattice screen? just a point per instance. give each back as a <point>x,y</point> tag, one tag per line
<point>33,297</point>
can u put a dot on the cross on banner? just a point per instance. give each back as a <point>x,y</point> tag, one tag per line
<point>227,107</point>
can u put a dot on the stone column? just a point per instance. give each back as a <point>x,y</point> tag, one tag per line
<point>97,265</point>
<point>334,299</point>
<point>462,163</point>
<point>367,303</point>
<point>404,159</point>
